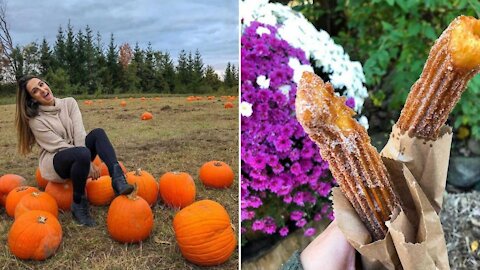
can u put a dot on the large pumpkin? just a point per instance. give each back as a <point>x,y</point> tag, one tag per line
<point>35,235</point>
<point>204,233</point>
<point>129,218</point>
<point>146,184</point>
<point>42,183</point>
<point>62,192</point>
<point>36,201</point>
<point>15,196</point>
<point>216,174</point>
<point>177,189</point>
<point>100,191</point>
<point>7,183</point>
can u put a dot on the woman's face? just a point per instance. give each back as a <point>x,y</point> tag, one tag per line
<point>40,92</point>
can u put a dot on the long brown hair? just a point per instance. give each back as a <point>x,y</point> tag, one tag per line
<point>26,109</point>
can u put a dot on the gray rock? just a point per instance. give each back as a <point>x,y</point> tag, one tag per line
<point>474,146</point>
<point>463,171</point>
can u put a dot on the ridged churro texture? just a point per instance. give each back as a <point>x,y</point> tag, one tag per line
<point>453,60</point>
<point>345,144</point>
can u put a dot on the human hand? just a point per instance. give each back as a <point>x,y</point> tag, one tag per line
<point>94,171</point>
<point>330,250</point>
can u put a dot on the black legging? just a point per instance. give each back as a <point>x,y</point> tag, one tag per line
<point>74,163</point>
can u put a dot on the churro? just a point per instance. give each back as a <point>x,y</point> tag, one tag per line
<point>453,60</point>
<point>345,144</point>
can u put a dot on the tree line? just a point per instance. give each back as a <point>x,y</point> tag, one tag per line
<point>78,63</point>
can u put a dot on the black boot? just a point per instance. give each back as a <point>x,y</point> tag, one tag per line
<point>80,213</point>
<point>119,182</point>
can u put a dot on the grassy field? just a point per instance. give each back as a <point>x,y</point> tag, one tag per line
<point>181,137</point>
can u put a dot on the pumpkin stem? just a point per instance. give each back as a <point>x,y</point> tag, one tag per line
<point>35,194</point>
<point>133,196</point>
<point>217,164</point>
<point>42,219</point>
<point>138,172</point>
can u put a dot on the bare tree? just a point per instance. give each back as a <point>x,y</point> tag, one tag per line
<point>6,43</point>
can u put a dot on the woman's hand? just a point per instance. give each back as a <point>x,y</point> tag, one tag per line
<point>330,250</point>
<point>94,171</point>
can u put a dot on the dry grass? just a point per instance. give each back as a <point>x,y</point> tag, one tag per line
<point>460,218</point>
<point>181,137</point>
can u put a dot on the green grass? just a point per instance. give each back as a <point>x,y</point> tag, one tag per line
<point>181,137</point>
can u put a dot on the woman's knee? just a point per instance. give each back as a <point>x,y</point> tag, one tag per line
<point>98,132</point>
<point>83,155</point>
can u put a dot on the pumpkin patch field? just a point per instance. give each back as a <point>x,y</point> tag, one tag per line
<point>179,136</point>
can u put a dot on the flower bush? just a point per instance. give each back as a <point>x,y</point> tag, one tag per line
<point>285,183</point>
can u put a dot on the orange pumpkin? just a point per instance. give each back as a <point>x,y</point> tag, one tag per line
<point>36,201</point>
<point>204,233</point>
<point>35,235</point>
<point>129,219</point>
<point>15,196</point>
<point>228,105</point>
<point>177,189</point>
<point>146,184</point>
<point>216,174</point>
<point>97,161</point>
<point>104,169</point>
<point>100,191</point>
<point>7,183</point>
<point>42,183</point>
<point>123,103</point>
<point>62,193</point>
<point>146,116</point>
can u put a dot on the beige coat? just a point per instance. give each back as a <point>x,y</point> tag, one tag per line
<point>56,128</point>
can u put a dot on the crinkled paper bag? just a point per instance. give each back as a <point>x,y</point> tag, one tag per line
<point>415,239</point>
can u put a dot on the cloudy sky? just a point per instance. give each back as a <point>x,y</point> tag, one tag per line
<point>170,25</point>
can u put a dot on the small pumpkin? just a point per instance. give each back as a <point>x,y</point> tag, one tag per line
<point>7,183</point>
<point>35,235</point>
<point>228,105</point>
<point>204,233</point>
<point>123,103</point>
<point>62,193</point>
<point>100,191</point>
<point>146,116</point>
<point>36,200</point>
<point>177,189</point>
<point>129,219</point>
<point>42,183</point>
<point>15,196</point>
<point>146,184</point>
<point>216,174</point>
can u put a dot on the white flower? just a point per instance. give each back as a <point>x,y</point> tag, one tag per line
<point>263,82</point>
<point>262,30</point>
<point>285,89</point>
<point>363,121</point>
<point>298,68</point>
<point>246,109</point>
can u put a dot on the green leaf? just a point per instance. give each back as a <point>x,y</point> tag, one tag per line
<point>391,2</point>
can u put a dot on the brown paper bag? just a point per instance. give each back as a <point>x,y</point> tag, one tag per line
<point>415,238</point>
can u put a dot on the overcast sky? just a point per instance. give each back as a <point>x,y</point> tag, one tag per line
<point>170,25</point>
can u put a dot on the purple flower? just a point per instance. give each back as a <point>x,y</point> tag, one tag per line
<point>350,102</point>
<point>296,215</point>
<point>282,144</point>
<point>281,168</point>
<point>258,225</point>
<point>309,232</point>
<point>301,223</point>
<point>283,231</point>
